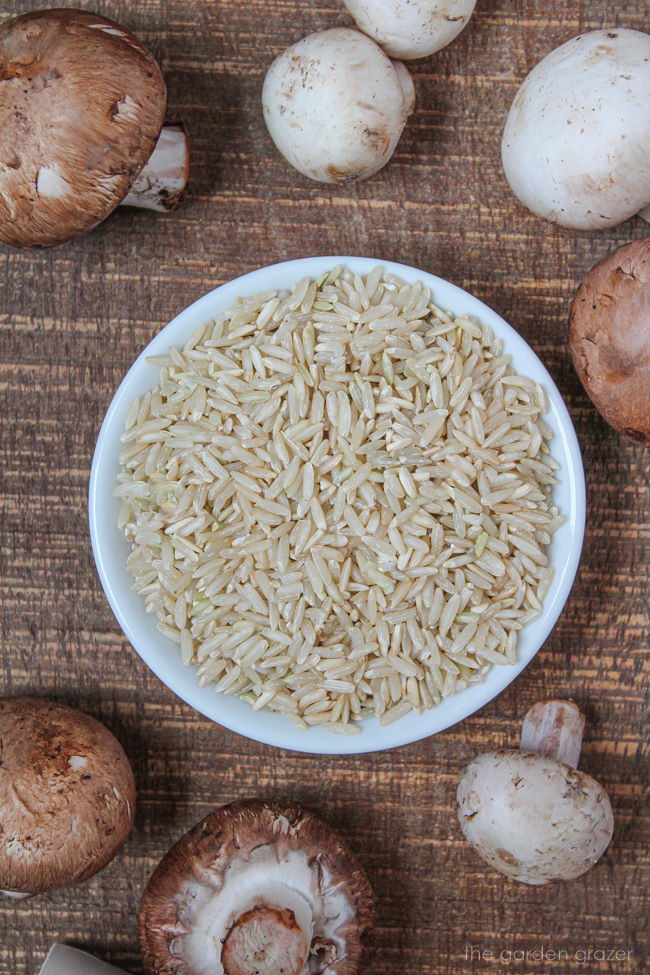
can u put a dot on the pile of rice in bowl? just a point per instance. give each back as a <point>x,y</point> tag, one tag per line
<point>338,500</point>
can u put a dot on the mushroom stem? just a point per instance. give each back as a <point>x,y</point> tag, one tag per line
<point>265,940</point>
<point>554,728</point>
<point>17,895</point>
<point>62,960</point>
<point>161,184</point>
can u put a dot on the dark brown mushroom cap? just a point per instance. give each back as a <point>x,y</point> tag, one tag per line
<point>238,831</point>
<point>82,103</point>
<point>609,338</point>
<point>67,795</point>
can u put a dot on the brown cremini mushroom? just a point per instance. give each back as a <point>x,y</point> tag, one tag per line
<point>256,888</point>
<point>82,103</point>
<point>609,338</point>
<point>67,796</point>
<point>531,814</point>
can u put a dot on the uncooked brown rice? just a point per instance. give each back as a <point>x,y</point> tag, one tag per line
<point>338,500</point>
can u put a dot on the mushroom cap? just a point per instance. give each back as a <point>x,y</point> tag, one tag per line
<point>609,338</point>
<point>533,818</point>
<point>81,105</point>
<point>335,105</point>
<point>67,799</point>
<point>575,143</point>
<point>411,28</point>
<point>247,857</point>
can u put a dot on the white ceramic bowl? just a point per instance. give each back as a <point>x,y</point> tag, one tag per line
<point>163,657</point>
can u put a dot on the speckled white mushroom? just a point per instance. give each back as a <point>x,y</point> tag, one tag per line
<point>575,144</point>
<point>531,814</point>
<point>411,28</point>
<point>256,887</point>
<point>82,104</point>
<point>335,105</point>
<point>67,796</point>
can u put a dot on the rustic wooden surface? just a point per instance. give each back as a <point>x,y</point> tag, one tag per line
<point>72,320</point>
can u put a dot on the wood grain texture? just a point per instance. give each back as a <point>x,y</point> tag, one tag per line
<point>71,322</point>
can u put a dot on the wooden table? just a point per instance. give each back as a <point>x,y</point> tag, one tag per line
<point>72,319</point>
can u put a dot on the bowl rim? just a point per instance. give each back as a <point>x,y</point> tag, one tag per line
<point>373,736</point>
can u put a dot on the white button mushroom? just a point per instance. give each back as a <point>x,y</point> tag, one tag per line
<point>609,338</point>
<point>411,28</point>
<point>335,105</point>
<point>82,103</point>
<point>576,140</point>
<point>256,887</point>
<point>67,799</point>
<point>530,814</point>
<point>62,960</point>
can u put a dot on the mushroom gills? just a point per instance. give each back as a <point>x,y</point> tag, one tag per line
<point>258,887</point>
<point>264,882</point>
